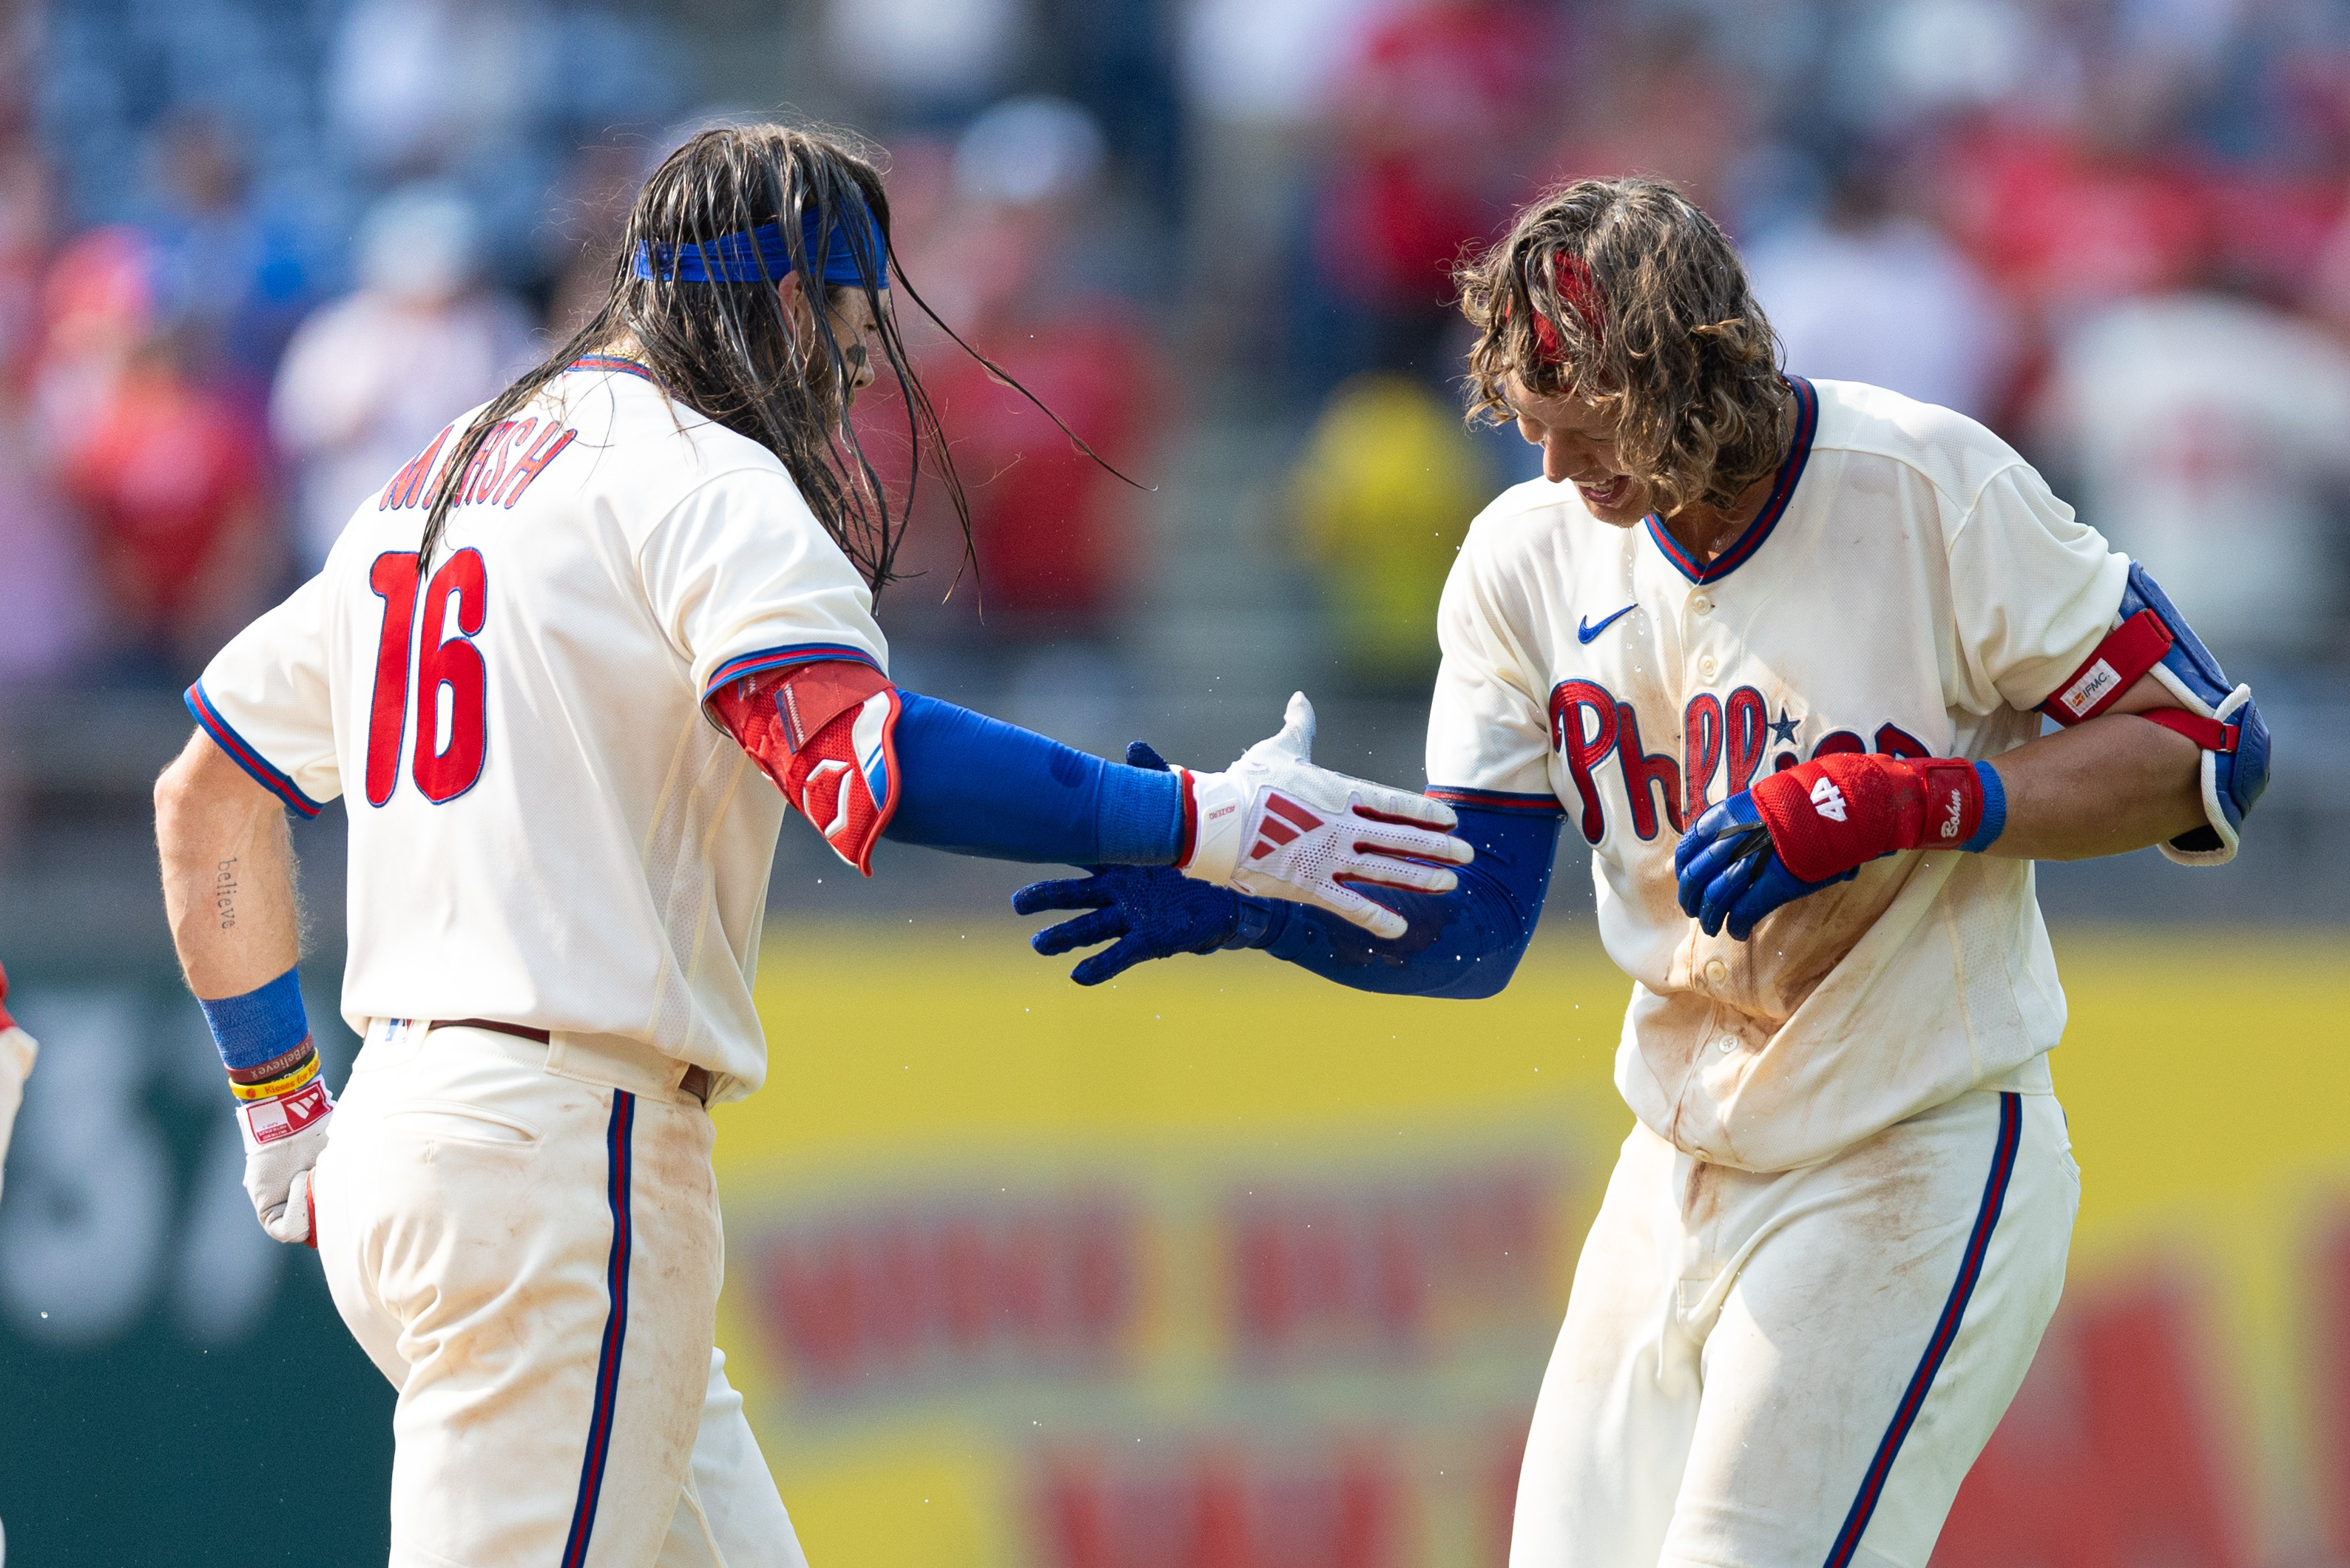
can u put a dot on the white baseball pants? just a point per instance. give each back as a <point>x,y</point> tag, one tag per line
<point>534,1259</point>
<point>1797,1368</point>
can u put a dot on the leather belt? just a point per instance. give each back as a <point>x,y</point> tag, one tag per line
<point>696,1081</point>
<point>521,1030</point>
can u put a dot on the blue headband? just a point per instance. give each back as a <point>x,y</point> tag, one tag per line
<point>740,258</point>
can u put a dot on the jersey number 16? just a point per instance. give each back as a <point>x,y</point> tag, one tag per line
<point>448,759</point>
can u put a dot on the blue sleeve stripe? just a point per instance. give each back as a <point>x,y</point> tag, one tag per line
<point>224,735</point>
<point>768,659</point>
<point>1499,800</point>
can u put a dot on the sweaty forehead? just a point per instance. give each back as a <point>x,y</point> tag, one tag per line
<point>1569,415</point>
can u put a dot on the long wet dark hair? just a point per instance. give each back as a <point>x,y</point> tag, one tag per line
<point>728,350</point>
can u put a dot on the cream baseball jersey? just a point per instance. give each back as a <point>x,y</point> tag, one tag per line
<point>1911,587</point>
<point>544,829</point>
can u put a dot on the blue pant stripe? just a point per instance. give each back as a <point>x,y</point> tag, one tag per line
<point>1946,1332</point>
<point>616,1333</point>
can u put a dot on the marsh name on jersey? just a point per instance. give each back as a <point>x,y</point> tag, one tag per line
<point>554,833</point>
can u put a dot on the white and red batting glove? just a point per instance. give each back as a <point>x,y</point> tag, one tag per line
<point>1276,825</point>
<point>282,1120</point>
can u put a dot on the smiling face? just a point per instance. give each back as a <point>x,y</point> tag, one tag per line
<point>1578,447</point>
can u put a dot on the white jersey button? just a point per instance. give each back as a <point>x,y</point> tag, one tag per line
<point>1707,668</point>
<point>1716,971</point>
<point>1700,605</point>
<point>1726,1045</point>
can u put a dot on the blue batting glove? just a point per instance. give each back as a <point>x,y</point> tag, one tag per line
<point>1729,873</point>
<point>1151,912</point>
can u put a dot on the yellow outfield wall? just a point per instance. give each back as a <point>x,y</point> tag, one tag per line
<point>1221,1266</point>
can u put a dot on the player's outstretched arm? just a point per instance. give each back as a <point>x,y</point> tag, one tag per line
<point>862,761</point>
<point>2157,748</point>
<point>17,1052</point>
<point>228,892</point>
<point>1463,944</point>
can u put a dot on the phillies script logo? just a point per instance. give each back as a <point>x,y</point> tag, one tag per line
<point>1722,738</point>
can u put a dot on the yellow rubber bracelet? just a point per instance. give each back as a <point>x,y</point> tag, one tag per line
<point>276,1087</point>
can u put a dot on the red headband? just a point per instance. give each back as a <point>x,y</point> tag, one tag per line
<point>1570,275</point>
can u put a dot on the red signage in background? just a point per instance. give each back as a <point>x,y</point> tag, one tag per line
<point>2330,1370</point>
<point>886,1294</point>
<point>1329,1366</point>
<point>2108,1458</point>
<point>1225,1508</point>
<point>1327,1269</point>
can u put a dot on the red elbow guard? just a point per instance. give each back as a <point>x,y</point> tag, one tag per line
<point>1836,812</point>
<point>827,733</point>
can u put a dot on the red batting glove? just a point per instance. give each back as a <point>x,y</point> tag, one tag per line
<point>1836,812</point>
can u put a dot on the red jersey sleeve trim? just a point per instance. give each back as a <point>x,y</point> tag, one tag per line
<point>765,659</point>
<point>1511,801</point>
<point>242,752</point>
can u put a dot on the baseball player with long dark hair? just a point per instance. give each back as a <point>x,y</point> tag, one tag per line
<point>1780,650</point>
<point>543,666</point>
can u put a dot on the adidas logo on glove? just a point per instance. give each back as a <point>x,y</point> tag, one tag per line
<point>1284,820</point>
<point>1276,825</point>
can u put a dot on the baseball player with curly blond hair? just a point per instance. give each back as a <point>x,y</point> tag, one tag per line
<point>1780,651</point>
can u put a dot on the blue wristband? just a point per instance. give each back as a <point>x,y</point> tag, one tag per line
<point>1140,820</point>
<point>261,1026</point>
<point>1994,811</point>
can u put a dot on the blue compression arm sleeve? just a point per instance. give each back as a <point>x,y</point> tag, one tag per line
<point>1463,944</point>
<point>977,785</point>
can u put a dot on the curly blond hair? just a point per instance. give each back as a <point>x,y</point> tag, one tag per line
<point>1623,292</point>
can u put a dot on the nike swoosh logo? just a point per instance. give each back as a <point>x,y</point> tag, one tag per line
<point>1584,632</point>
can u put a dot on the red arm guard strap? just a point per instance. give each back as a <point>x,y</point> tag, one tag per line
<point>827,733</point>
<point>2209,734</point>
<point>2129,650</point>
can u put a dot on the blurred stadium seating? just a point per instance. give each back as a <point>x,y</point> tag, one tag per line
<point>1216,1267</point>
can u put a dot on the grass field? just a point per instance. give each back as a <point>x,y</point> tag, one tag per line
<point>2206,1080</point>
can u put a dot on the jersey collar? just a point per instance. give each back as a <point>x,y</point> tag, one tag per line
<point>609,362</point>
<point>1790,474</point>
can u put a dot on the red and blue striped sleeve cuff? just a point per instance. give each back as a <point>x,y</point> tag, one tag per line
<point>224,735</point>
<point>1499,800</point>
<point>766,659</point>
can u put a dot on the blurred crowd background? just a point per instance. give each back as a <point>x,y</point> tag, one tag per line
<point>255,253</point>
